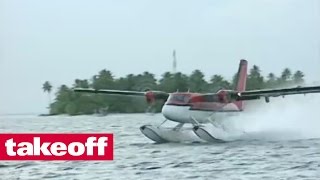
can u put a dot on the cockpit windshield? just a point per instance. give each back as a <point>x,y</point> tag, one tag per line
<point>179,98</point>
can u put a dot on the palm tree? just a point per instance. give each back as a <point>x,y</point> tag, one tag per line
<point>218,82</point>
<point>197,82</point>
<point>271,77</point>
<point>271,82</point>
<point>298,77</point>
<point>255,79</point>
<point>286,74</point>
<point>47,87</point>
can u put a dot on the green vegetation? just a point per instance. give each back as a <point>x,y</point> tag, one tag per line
<point>68,102</point>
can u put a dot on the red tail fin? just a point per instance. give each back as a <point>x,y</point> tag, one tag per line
<point>241,80</point>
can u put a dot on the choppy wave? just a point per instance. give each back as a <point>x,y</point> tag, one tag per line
<point>289,118</point>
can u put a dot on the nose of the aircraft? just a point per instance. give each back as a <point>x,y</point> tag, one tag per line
<point>176,113</point>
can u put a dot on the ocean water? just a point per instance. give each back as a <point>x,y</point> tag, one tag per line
<point>281,141</point>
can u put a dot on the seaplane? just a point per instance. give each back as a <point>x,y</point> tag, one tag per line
<point>200,110</point>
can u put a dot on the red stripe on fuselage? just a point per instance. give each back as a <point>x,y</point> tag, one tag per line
<point>208,106</point>
<point>183,99</point>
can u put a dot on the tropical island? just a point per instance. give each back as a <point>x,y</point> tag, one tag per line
<point>68,102</point>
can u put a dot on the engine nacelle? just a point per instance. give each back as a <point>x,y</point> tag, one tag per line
<point>152,96</point>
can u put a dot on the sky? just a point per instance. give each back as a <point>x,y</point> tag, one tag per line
<point>60,41</point>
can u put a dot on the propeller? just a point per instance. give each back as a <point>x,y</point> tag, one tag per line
<point>152,97</point>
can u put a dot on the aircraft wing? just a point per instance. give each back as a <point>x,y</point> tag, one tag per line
<point>230,96</point>
<point>266,93</point>
<point>110,92</point>
<point>150,95</point>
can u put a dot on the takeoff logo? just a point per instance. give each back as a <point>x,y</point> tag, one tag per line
<point>50,147</point>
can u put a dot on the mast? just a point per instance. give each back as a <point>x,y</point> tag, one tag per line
<point>174,65</point>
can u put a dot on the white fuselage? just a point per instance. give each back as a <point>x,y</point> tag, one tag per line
<point>183,114</point>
